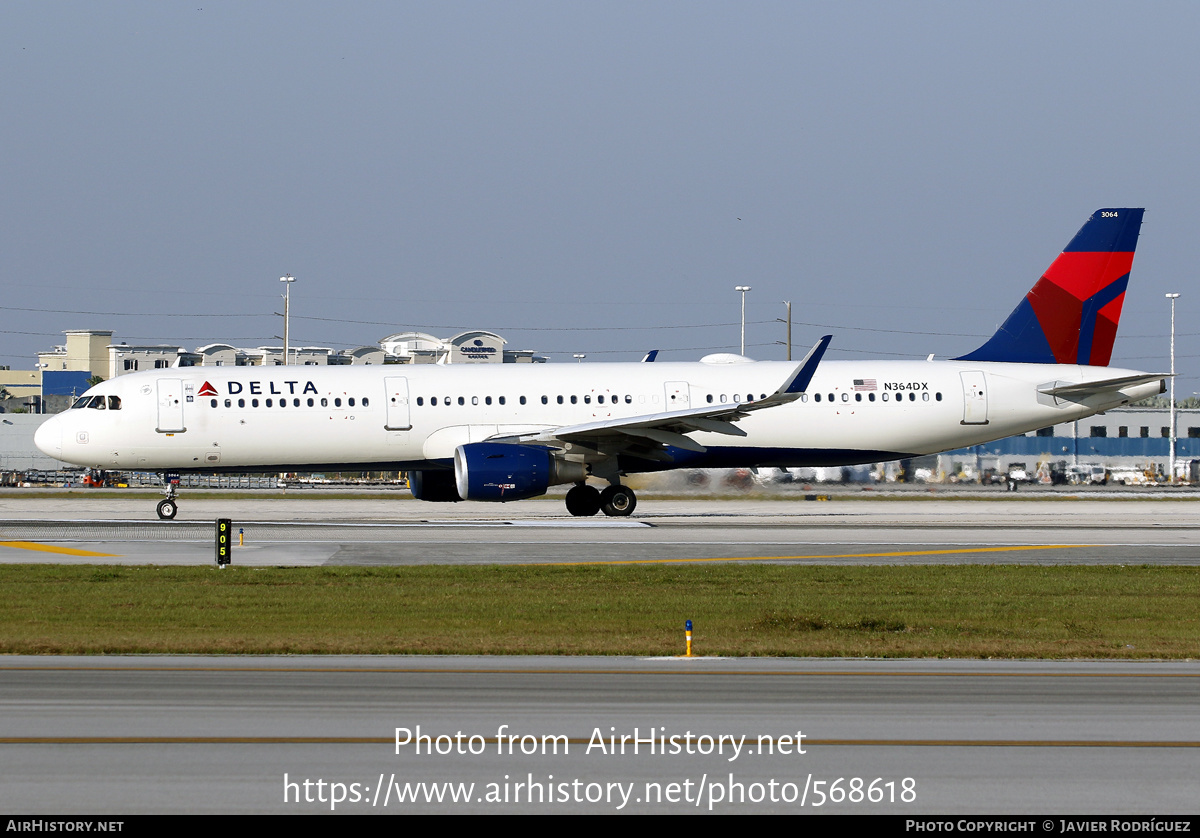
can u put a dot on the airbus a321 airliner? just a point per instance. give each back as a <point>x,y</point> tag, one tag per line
<point>507,432</point>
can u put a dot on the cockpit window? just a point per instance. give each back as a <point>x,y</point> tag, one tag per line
<point>114,402</point>
<point>81,402</point>
<point>97,403</point>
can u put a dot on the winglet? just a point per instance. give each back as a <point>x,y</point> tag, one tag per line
<point>800,379</point>
<point>650,356</point>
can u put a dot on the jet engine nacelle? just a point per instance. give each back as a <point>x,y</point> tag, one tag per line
<point>498,471</point>
<point>434,486</point>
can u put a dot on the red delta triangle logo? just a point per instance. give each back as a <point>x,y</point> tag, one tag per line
<point>207,390</point>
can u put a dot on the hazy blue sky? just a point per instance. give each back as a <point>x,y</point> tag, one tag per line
<point>588,177</point>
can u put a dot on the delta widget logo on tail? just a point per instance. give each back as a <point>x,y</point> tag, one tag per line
<point>1070,316</point>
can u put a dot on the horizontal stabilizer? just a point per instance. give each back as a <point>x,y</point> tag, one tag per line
<point>1083,389</point>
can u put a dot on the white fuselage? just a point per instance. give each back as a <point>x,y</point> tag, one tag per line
<point>409,417</point>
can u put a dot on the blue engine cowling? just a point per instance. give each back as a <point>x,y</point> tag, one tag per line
<point>497,471</point>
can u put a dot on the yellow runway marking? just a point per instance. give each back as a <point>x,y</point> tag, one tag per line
<point>46,548</point>
<point>893,555</point>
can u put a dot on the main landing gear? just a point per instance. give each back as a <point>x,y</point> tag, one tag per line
<point>169,506</point>
<point>616,501</point>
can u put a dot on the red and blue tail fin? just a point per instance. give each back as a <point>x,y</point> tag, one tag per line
<point>1070,316</point>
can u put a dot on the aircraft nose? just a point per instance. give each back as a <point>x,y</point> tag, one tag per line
<point>48,438</point>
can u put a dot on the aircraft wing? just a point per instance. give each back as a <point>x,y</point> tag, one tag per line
<point>647,435</point>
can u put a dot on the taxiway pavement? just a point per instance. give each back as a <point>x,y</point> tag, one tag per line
<point>315,531</point>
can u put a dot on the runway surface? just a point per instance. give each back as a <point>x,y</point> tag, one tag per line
<point>122,735</point>
<point>284,531</point>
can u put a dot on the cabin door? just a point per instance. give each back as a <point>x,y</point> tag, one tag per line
<point>170,406</point>
<point>398,416</point>
<point>975,400</point>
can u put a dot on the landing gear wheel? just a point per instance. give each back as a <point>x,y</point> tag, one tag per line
<point>618,501</point>
<point>167,509</point>
<point>583,501</point>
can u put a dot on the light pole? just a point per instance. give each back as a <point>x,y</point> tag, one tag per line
<point>1171,458</point>
<point>743,289</point>
<point>287,299</point>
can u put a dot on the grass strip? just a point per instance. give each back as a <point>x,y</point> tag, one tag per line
<point>974,611</point>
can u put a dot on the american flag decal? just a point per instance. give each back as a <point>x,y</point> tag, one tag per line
<point>865,384</point>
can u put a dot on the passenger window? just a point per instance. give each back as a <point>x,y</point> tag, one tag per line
<point>522,400</point>
<point>737,397</point>
<point>461,401</point>
<point>501,399</point>
<point>858,397</point>
<point>574,399</point>
<point>924,397</point>
<point>487,400</point>
<point>709,397</point>
<point>560,399</point>
<point>587,399</point>
<point>241,402</point>
<point>310,402</point>
<point>816,397</point>
<point>628,399</point>
<point>295,402</point>
<point>254,402</point>
<point>420,401</point>
<point>938,396</point>
<point>337,402</point>
<point>365,403</point>
<point>474,399</point>
<point>912,397</point>
<point>270,403</point>
<point>803,398</point>
<point>213,402</point>
<point>884,397</point>
<point>324,402</point>
<point>229,402</point>
<point>545,400</point>
<point>350,402</point>
<point>870,397</point>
